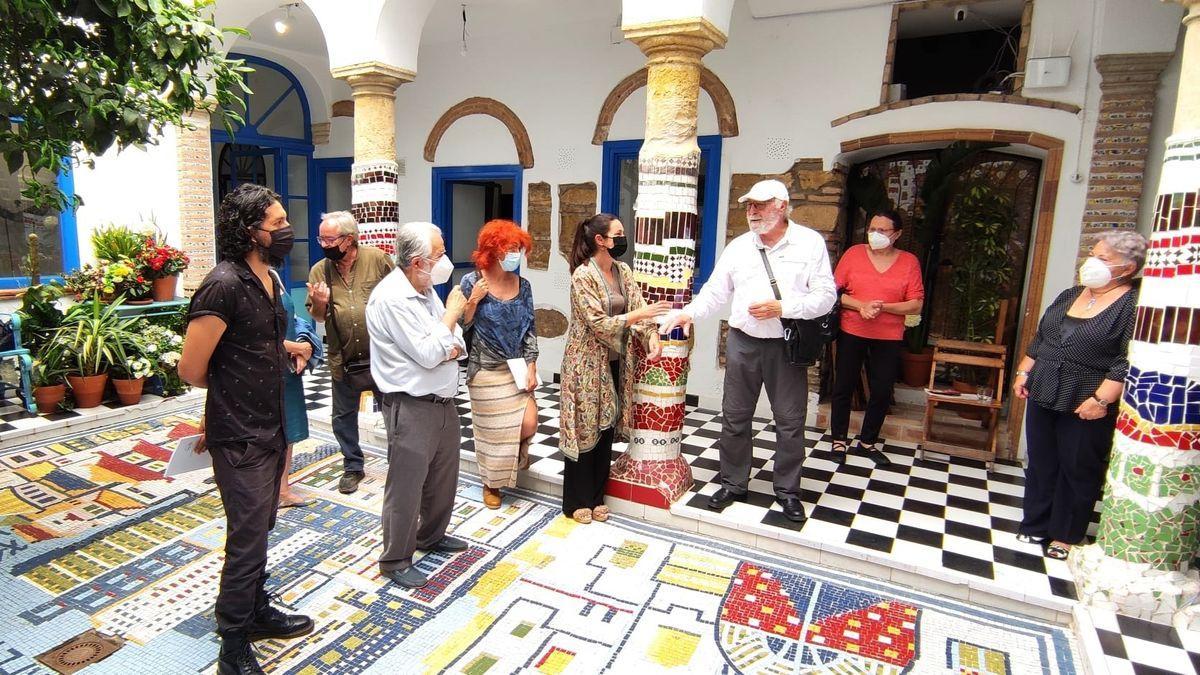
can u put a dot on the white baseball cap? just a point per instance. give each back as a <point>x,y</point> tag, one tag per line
<point>766,190</point>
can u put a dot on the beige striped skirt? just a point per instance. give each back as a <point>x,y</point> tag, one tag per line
<point>497,409</point>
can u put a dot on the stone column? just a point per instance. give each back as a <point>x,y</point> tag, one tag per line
<point>652,471</point>
<point>374,174</point>
<point>193,155</point>
<point>1150,522</point>
<point>1128,88</point>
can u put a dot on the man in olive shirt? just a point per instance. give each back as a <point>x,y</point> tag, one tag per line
<point>338,288</point>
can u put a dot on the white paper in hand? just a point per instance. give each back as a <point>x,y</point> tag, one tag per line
<point>520,373</point>
<point>185,458</point>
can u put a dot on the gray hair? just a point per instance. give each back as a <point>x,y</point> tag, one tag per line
<point>1128,244</point>
<point>346,224</point>
<point>414,240</point>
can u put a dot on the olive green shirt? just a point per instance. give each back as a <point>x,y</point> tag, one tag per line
<point>346,315</point>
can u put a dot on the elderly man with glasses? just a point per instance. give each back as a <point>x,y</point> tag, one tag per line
<point>338,289</point>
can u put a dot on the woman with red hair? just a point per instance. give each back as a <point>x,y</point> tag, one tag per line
<point>499,313</point>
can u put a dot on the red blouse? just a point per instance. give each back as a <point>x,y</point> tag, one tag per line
<point>857,276</point>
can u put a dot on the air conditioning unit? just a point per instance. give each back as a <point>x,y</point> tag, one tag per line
<point>1049,71</point>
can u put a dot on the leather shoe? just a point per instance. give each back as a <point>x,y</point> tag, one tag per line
<point>408,577</point>
<point>793,509</point>
<point>271,623</point>
<point>349,482</point>
<point>448,544</point>
<point>874,455</point>
<point>723,497</point>
<point>491,497</point>
<point>237,657</point>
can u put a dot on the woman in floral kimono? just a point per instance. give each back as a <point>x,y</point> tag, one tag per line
<point>597,383</point>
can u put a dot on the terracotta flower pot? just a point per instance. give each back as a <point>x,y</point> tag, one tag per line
<point>49,397</point>
<point>914,368</point>
<point>88,391</point>
<point>164,289</point>
<point>129,391</point>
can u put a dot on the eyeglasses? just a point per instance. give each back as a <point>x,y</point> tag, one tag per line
<point>326,241</point>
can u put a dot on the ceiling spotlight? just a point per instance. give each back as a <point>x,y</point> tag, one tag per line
<point>284,24</point>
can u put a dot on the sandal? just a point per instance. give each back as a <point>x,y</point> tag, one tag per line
<point>841,449</point>
<point>294,500</point>
<point>1057,550</point>
<point>582,516</point>
<point>1029,539</point>
<point>600,513</point>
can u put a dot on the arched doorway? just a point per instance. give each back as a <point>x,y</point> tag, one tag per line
<point>273,148</point>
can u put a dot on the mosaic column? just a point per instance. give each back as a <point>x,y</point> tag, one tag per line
<point>374,193</point>
<point>665,231</point>
<point>1150,522</point>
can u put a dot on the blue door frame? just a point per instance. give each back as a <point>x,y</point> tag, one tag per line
<point>68,235</point>
<point>443,211</point>
<point>710,149</point>
<point>280,147</point>
<point>318,200</point>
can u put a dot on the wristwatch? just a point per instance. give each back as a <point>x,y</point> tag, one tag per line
<point>1099,401</point>
<point>1023,372</point>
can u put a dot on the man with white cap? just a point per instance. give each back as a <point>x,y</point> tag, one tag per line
<point>755,355</point>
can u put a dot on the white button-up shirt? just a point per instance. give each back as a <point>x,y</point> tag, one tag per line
<point>410,346</point>
<point>800,262</point>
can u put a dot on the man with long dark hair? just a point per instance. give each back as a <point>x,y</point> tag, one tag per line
<point>234,348</point>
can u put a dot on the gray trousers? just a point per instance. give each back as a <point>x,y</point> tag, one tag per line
<point>422,476</point>
<point>751,363</point>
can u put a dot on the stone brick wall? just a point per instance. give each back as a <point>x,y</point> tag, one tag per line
<point>537,217</point>
<point>576,201</point>
<point>196,209</point>
<point>1128,87</point>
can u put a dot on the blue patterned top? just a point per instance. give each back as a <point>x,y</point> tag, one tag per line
<point>504,329</point>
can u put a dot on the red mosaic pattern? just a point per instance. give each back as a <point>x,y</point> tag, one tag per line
<point>657,418</point>
<point>672,367</point>
<point>152,451</point>
<point>657,482</point>
<point>183,430</point>
<point>885,632</point>
<point>1164,436</point>
<point>761,603</point>
<point>1169,257</point>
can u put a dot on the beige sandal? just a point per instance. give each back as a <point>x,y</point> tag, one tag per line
<point>582,516</point>
<point>600,513</point>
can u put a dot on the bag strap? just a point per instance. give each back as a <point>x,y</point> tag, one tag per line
<point>329,321</point>
<point>770,274</point>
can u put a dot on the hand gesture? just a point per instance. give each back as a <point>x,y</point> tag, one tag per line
<point>650,311</point>
<point>319,292</point>
<point>767,309</point>
<point>871,309</point>
<point>678,319</point>
<point>456,302</point>
<point>1090,410</point>
<point>299,363</point>
<point>653,348</point>
<point>200,448</point>
<point>479,290</point>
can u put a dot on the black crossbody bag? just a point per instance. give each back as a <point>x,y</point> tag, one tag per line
<point>356,374</point>
<point>804,339</point>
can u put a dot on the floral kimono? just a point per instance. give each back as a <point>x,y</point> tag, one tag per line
<point>590,401</point>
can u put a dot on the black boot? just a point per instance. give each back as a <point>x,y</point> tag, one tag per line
<point>237,657</point>
<point>270,623</point>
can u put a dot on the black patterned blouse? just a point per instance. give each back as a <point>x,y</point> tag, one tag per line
<point>1067,370</point>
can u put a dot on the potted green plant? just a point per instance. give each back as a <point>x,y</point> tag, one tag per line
<point>162,264</point>
<point>94,336</point>
<point>162,346</point>
<point>49,368</point>
<point>117,242</point>
<point>983,226</point>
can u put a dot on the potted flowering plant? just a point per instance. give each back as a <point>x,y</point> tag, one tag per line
<point>161,347</point>
<point>162,264</point>
<point>108,280</point>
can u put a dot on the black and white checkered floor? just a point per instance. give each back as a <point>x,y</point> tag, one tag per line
<point>1123,645</point>
<point>953,518</point>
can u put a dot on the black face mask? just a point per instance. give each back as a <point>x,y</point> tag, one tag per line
<point>334,253</point>
<point>281,244</point>
<point>620,244</point>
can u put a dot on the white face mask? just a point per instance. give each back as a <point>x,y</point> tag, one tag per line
<point>512,260</point>
<point>878,240</point>
<point>441,270</point>
<point>1094,273</point>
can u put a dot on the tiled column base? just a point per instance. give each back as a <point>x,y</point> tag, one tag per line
<point>376,203</point>
<point>1133,589</point>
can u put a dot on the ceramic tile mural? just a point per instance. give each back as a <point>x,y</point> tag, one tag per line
<point>375,198</point>
<point>534,592</point>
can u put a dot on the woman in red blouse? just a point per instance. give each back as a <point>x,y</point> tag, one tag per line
<point>880,284</point>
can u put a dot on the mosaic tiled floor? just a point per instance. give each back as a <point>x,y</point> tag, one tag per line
<point>953,519</point>
<point>93,537</point>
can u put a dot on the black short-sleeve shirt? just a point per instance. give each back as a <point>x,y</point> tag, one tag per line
<point>245,374</point>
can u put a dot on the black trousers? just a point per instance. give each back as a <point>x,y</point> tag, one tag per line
<point>883,366</point>
<point>584,480</point>
<point>1067,460</point>
<point>247,477</point>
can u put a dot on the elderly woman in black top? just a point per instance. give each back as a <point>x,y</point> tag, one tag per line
<point>1072,376</point>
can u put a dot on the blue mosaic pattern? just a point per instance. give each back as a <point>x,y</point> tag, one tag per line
<point>1161,398</point>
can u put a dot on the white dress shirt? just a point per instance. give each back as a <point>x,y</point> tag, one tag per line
<point>410,346</point>
<point>800,262</point>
